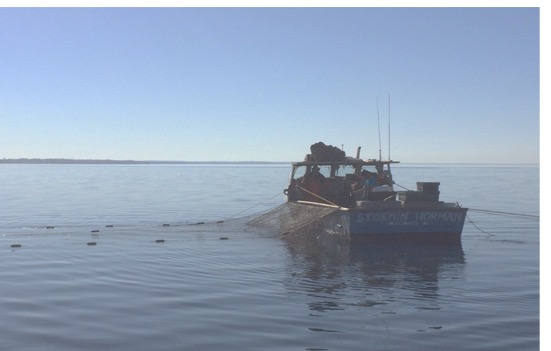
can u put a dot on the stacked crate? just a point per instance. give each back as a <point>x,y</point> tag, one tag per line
<point>426,191</point>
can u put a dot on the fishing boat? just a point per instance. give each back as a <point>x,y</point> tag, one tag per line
<point>363,202</point>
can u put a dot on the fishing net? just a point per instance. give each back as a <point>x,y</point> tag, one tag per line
<point>291,218</point>
<point>306,229</point>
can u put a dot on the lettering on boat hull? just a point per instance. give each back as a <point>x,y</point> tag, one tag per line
<point>410,217</point>
<point>407,221</point>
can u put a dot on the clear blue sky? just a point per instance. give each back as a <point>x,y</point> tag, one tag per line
<point>242,84</point>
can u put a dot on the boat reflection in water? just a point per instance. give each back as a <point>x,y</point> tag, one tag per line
<point>336,274</point>
<point>413,266</point>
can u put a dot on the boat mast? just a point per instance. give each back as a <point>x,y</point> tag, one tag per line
<point>389,127</point>
<point>379,126</point>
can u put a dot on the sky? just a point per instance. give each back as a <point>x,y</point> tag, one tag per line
<point>422,85</point>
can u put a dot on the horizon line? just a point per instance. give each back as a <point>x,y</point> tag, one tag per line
<point>25,160</point>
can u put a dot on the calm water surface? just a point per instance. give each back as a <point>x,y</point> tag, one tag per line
<point>118,257</point>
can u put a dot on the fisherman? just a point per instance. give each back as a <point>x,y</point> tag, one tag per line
<point>315,174</point>
<point>315,183</point>
<point>358,188</point>
<point>366,183</point>
<point>370,180</point>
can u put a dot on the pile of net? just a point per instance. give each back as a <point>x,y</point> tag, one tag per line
<point>321,152</point>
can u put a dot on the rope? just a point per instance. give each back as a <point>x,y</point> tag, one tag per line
<point>477,227</point>
<point>319,197</point>
<point>403,187</point>
<point>500,213</point>
<point>247,209</point>
<point>234,216</point>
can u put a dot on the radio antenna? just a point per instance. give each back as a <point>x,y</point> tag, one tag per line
<point>379,126</point>
<point>389,127</point>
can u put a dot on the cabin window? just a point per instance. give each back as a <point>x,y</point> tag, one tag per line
<point>325,171</point>
<point>301,171</point>
<point>370,169</point>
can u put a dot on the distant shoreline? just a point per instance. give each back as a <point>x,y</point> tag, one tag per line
<point>121,162</point>
<point>68,161</point>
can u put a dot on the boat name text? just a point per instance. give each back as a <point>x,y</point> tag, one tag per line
<point>405,217</point>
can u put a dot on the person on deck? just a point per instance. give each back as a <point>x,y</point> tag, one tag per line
<point>366,184</point>
<point>370,180</point>
<point>315,184</point>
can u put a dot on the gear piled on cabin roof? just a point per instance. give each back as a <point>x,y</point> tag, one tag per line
<point>325,153</point>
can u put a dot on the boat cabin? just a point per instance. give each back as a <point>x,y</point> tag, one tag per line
<point>341,183</point>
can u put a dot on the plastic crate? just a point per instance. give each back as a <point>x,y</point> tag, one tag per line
<point>428,186</point>
<point>418,196</point>
<point>410,196</point>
